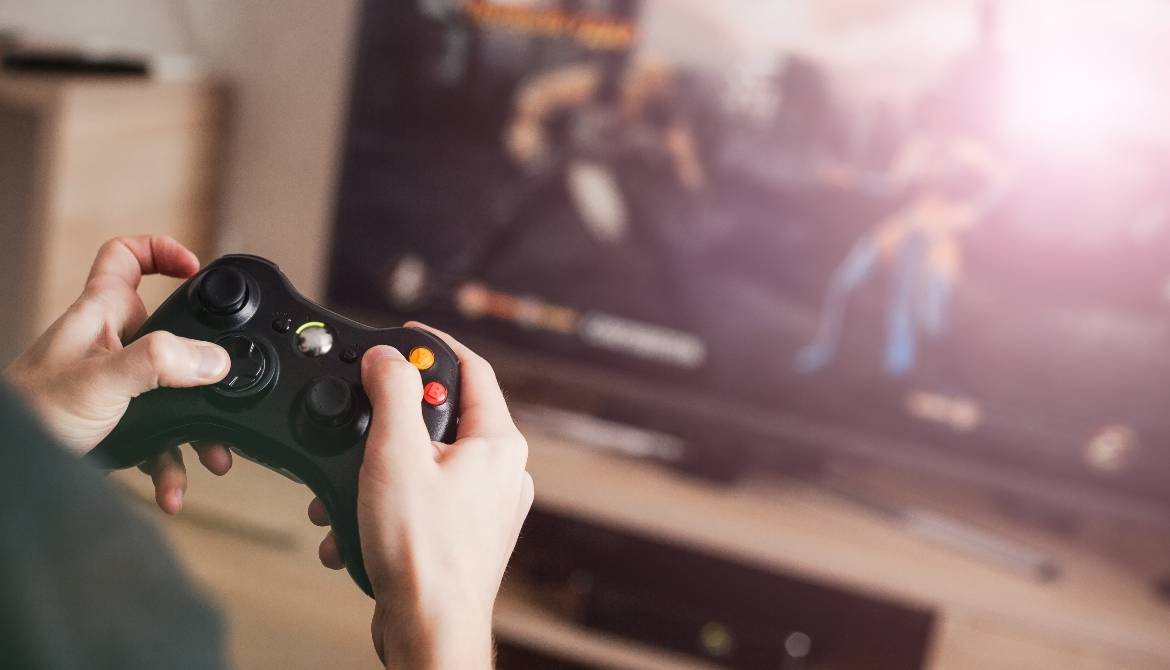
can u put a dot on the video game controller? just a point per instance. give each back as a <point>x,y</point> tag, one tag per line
<point>293,399</point>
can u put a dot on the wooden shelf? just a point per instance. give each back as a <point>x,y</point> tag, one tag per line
<point>520,619</point>
<point>798,528</point>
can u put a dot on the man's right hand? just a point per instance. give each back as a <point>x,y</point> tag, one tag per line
<point>438,522</point>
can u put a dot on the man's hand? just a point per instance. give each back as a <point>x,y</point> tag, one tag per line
<point>438,522</point>
<point>79,378</point>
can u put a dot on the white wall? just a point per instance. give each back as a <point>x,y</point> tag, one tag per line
<point>287,62</point>
<point>135,24</point>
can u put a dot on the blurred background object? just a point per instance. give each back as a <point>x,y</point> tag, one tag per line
<point>286,65</point>
<point>83,156</point>
<point>838,329</point>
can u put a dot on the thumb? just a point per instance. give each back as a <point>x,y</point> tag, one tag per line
<point>398,437</point>
<point>161,359</point>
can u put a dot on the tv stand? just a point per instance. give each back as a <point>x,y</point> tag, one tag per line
<point>984,615</point>
<point>1102,613</point>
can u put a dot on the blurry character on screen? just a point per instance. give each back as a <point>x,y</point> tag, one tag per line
<point>948,178</point>
<point>953,183</point>
<point>578,121</point>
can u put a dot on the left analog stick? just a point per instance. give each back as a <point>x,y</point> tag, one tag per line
<point>223,291</point>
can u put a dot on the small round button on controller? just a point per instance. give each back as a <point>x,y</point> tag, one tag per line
<point>435,393</point>
<point>314,339</point>
<point>248,364</point>
<point>330,401</point>
<point>223,291</point>
<point>422,358</point>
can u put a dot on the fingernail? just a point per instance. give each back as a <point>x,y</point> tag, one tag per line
<point>386,351</point>
<point>176,501</point>
<point>213,362</point>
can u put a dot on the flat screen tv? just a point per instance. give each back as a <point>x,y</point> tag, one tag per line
<point>934,234</point>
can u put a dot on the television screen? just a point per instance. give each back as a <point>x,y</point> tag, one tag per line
<point>938,223</point>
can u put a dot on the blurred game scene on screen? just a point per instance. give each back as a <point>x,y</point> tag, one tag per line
<point>935,224</point>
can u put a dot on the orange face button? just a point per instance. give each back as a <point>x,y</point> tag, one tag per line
<point>422,358</point>
<point>435,393</point>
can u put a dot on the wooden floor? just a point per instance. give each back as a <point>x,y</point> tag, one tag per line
<point>246,539</point>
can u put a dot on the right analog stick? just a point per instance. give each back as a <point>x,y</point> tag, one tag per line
<point>330,401</point>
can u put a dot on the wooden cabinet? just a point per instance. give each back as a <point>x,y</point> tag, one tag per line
<point>86,159</point>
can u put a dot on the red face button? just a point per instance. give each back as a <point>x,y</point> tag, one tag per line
<point>435,393</point>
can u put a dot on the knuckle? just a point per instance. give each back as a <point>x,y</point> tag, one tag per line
<point>476,444</point>
<point>110,244</point>
<point>159,349</point>
<point>527,494</point>
<point>510,452</point>
<point>110,247</point>
<point>481,367</point>
<point>91,307</point>
<point>521,449</point>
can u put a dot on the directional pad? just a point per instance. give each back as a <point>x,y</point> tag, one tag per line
<point>248,364</point>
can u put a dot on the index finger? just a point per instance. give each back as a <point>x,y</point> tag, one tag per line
<point>483,411</point>
<point>128,258</point>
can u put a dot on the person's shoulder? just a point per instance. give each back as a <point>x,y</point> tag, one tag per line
<point>83,573</point>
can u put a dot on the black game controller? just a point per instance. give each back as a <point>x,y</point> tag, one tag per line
<point>293,400</point>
